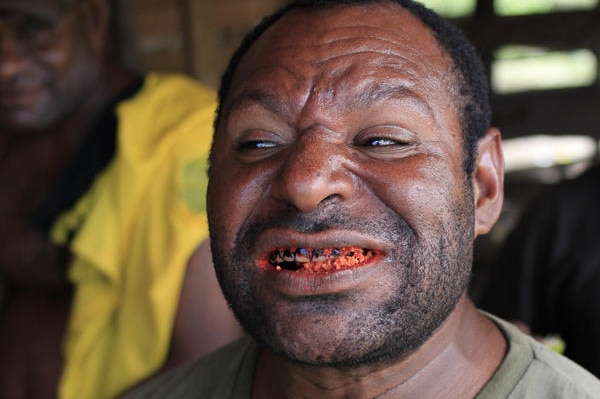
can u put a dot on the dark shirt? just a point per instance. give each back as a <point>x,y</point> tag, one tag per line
<point>548,272</point>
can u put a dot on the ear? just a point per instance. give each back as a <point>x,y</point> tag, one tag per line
<point>95,15</point>
<point>488,181</point>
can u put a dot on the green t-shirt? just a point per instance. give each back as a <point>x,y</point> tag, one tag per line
<point>529,370</point>
<point>532,370</point>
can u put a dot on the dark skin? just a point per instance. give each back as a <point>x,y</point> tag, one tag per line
<point>299,139</point>
<point>54,79</point>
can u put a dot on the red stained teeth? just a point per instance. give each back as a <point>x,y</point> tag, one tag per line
<point>319,260</point>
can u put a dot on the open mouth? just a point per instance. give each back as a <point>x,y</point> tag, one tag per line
<point>319,260</point>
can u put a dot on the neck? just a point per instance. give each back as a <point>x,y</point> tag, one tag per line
<point>456,362</point>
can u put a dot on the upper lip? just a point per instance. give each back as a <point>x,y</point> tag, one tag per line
<point>335,238</point>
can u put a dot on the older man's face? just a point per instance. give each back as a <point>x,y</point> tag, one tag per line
<point>341,217</point>
<point>46,65</point>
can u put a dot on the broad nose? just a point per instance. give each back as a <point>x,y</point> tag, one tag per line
<point>12,57</point>
<point>315,171</point>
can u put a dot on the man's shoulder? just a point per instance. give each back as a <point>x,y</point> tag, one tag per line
<point>165,100</point>
<point>531,369</point>
<point>225,373</point>
<point>169,111</point>
<point>553,373</point>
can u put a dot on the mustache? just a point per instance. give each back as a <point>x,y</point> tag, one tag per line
<point>386,226</point>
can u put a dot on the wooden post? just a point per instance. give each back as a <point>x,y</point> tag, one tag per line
<point>201,41</point>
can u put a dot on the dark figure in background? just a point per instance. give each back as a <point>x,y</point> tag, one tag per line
<point>358,135</point>
<point>547,277</point>
<point>103,230</point>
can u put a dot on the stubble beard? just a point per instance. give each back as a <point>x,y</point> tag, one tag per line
<point>429,276</point>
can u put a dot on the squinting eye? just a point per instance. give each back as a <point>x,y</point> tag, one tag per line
<point>256,145</point>
<point>380,142</point>
<point>385,141</point>
<point>249,150</point>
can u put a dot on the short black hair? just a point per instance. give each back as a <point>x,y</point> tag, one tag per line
<point>473,95</point>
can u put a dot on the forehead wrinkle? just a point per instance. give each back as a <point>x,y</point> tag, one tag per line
<point>373,59</point>
<point>365,95</point>
<point>363,38</point>
<point>368,46</point>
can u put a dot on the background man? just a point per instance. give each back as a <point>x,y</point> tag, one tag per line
<point>102,207</point>
<point>357,134</point>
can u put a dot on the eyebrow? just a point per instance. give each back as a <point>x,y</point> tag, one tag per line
<point>374,94</point>
<point>263,97</point>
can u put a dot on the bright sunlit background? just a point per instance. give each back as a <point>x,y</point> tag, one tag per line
<point>522,68</point>
<point>522,7</point>
<point>463,8</point>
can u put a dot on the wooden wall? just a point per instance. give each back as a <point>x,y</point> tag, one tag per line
<point>195,37</point>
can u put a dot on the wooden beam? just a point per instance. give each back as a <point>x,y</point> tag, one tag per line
<point>555,30</point>
<point>202,52</point>
<point>559,112</point>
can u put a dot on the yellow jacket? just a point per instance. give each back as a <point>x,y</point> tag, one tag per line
<point>136,228</point>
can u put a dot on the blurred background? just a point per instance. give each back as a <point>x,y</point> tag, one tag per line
<point>541,56</point>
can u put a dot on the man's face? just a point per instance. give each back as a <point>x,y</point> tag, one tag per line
<point>46,65</point>
<point>340,144</point>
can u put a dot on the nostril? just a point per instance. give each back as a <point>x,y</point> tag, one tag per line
<point>331,198</point>
<point>308,193</point>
